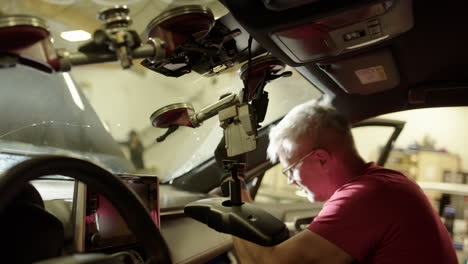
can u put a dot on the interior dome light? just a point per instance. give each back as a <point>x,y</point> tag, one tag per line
<point>75,35</point>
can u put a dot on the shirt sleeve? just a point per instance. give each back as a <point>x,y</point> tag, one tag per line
<point>352,219</point>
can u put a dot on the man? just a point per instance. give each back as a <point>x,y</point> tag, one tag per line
<point>373,215</point>
<point>136,150</point>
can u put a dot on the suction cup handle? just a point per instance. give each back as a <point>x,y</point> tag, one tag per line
<point>279,76</point>
<point>172,129</point>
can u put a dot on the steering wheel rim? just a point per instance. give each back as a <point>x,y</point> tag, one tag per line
<point>122,198</point>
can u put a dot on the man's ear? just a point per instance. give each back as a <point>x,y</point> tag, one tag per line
<point>323,156</point>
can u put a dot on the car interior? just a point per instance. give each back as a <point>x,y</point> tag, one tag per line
<point>199,83</point>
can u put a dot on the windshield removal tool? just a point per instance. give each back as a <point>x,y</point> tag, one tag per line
<point>193,41</point>
<point>30,43</point>
<point>179,40</point>
<point>114,41</point>
<point>239,116</point>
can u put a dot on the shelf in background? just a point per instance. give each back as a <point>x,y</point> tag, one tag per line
<point>449,188</point>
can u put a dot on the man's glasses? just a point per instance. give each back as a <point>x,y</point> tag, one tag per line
<point>287,171</point>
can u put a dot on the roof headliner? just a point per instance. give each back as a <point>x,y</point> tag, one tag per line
<point>433,53</point>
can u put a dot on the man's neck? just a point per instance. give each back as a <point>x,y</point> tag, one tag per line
<point>349,166</point>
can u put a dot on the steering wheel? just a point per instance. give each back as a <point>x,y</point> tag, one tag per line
<point>122,198</point>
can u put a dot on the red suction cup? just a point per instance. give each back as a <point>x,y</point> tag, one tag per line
<point>255,76</point>
<point>28,38</point>
<point>177,25</point>
<point>173,114</point>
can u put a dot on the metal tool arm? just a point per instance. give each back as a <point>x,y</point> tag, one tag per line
<point>67,59</point>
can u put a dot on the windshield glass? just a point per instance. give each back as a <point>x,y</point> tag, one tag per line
<point>101,112</point>
<point>134,96</point>
<point>47,114</point>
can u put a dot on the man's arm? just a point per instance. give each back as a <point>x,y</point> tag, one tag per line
<point>305,247</point>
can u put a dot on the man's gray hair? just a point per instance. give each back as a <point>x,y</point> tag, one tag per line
<point>303,121</point>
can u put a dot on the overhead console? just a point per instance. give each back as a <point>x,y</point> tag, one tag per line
<point>346,31</point>
<point>326,34</point>
<point>307,31</point>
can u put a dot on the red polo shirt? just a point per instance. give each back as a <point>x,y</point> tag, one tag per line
<point>383,217</point>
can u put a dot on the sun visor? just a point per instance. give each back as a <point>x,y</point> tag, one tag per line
<point>364,74</point>
<point>346,31</point>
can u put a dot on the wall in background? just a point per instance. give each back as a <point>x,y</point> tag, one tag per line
<point>446,126</point>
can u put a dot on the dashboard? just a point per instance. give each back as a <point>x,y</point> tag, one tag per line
<point>92,224</point>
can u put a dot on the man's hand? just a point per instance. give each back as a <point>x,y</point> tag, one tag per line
<point>305,247</point>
